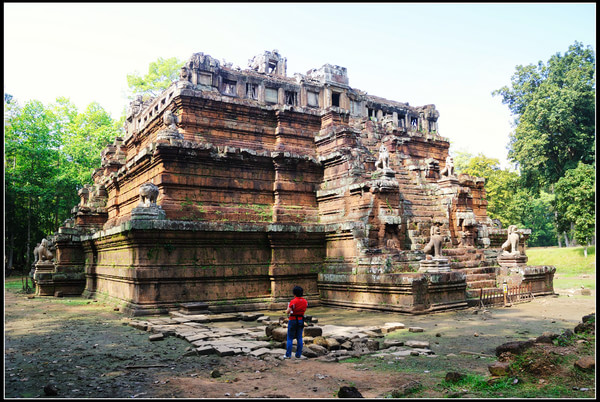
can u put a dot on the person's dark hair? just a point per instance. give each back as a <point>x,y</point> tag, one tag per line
<point>298,291</point>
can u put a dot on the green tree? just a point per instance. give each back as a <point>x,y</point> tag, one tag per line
<point>554,109</point>
<point>49,154</point>
<point>461,160</point>
<point>508,201</point>
<point>575,202</point>
<point>31,163</point>
<point>161,74</point>
<point>500,185</point>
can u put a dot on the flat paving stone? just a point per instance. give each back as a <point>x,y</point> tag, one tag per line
<point>260,352</point>
<point>196,337</point>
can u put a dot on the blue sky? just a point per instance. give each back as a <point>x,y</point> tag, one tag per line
<point>450,54</point>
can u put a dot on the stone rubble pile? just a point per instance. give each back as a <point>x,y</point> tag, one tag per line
<point>327,342</point>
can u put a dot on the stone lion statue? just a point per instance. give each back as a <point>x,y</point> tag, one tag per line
<point>511,245</point>
<point>42,253</point>
<point>383,162</point>
<point>148,195</point>
<point>169,120</point>
<point>448,170</point>
<point>435,241</point>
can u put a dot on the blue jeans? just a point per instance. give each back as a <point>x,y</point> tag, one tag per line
<point>295,328</point>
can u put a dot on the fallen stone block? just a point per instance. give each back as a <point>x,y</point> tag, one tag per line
<point>156,337</point>
<point>346,345</point>
<point>279,334</point>
<point>415,329</point>
<point>199,318</point>
<point>196,337</point>
<point>313,331</point>
<point>167,330</point>
<point>388,343</point>
<point>259,352</point>
<point>318,349</point>
<point>417,344</point>
<point>349,392</point>
<point>249,316</point>
<point>320,340</point>
<point>391,326</point>
<point>332,344</point>
<point>143,325</point>
<point>309,352</point>
<point>543,339</point>
<point>224,351</point>
<point>205,350</point>
<point>373,328</point>
<point>499,369</point>
<point>372,334</point>
<point>586,363</point>
<point>223,317</point>
<point>372,345</point>
<point>513,347</point>
<point>403,352</point>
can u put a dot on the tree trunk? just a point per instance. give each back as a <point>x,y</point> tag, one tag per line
<point>11,251</point>
<point>27,253</point>
<point>555,223</point>
<point>585,251</point>
<point>28,245</point>
<point>567,244</point>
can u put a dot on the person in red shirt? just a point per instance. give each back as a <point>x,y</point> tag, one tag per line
<point>295,312</point>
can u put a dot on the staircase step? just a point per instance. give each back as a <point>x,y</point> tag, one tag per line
<point>489,283</point>
<point>479,270</point>
<point>480,277</point>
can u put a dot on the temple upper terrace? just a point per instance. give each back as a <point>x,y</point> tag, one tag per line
<point>265,83</point>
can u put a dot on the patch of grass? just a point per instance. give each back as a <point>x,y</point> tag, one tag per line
<point>506,387</point>
<point>16,284</point>
<point>13,283</point>
<point>573,282</point>
<point>567,260</point>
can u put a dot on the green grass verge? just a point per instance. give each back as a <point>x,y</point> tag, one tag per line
<point>567,260</point>
<point>16,283</point>
<point>570,263</point>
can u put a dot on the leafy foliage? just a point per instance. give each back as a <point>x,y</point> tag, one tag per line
<point>554,109</point>
<point>50,152</point>
<point>508,201</point>
<point>161,74</point>
<point>575,202</point>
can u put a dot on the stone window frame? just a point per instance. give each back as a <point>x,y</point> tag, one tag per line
<point>229,87</point>
<point>252,90</point>
<point>290,97</point>
<point>316,93</point>
<point>267,89</point>
<point>338,96</point>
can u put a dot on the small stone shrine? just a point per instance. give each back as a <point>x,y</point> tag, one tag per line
<point>234,185</point>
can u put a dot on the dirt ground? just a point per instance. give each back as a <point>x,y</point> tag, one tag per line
<point>87,350</point>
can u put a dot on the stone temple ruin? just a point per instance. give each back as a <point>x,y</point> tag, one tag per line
<point>233,186</point>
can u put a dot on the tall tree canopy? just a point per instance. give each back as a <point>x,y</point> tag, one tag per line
<point>50,152</point>
<point>575,202</point>
<point>554,109</point>
<point>161,74</point>
<point>508,201</point>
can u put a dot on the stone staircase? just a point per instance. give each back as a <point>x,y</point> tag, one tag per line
<point>472,262</point>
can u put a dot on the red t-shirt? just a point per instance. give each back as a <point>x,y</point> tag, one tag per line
<point>298,306</point>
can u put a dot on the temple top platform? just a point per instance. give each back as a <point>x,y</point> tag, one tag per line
<point>264,83</point>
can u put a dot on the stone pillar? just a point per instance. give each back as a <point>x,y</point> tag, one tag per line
<point>42,276</point>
